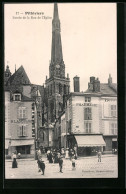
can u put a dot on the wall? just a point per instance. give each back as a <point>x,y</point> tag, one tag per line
<point>7,114</point>
<point>106,102</point>
<point>77,110</point>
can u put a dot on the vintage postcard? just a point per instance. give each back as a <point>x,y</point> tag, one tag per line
<point>60,85</point>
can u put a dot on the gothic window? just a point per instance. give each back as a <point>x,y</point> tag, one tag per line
<point>60,88</point>
<point>87,113</point>
<point>48,90</point>
<point>64,89</point>
<point>51,90</point>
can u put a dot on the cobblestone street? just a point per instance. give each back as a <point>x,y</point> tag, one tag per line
<point>86,167</point>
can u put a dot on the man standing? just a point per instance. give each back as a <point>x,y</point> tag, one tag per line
<point>99,156</point>
<point>61,164</point>
<point>42,166</point>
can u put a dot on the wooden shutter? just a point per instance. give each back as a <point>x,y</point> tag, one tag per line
<point>18,131</point>
<point>24,131</point>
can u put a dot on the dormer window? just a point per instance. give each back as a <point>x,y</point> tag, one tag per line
<point>17,97</point>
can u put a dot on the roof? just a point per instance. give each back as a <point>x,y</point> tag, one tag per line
<point>105,89</point>
<point>25,98</point>
<point>19,77</point>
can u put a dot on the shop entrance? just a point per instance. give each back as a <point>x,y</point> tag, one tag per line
<point>114,145</point>
<point>88,151</point>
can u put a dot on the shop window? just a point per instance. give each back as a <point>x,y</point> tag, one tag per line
<point>113,128</point>
<point>22,132</point>
<point>22,112</point>
<point>87,99</point>
<point>113,110</point>
<point>88,127</point>
<point>23,149</point>
<point>87,113</point>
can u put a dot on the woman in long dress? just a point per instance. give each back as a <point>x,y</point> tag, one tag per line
<point>14,162</point>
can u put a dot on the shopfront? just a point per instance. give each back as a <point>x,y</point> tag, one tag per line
<point>25,147</point>
<point>88,145</point>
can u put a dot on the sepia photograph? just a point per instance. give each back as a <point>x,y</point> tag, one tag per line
<point>60,88</point>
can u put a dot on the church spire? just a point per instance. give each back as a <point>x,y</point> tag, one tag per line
<point>55,14</point>
<point>56,52</point>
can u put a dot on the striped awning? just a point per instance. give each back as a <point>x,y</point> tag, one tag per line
<point>90,140</point>
<point>21,142</point>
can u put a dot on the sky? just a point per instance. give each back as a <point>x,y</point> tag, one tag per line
<point>88,34</point>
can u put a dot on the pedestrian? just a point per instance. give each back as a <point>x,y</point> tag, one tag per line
<point>67,153</point>
<point>19,155</point>
<point>75,152</point>
<point>61,164</point>
<point>73,162</point>
<point>14,162</point>
<point>48,152</point>
<point>62,152</point>
<point>99,156</point>
<point>50,157</point>
<point>42,166</point>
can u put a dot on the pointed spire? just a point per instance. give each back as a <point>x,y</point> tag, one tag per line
<point>55,14</point>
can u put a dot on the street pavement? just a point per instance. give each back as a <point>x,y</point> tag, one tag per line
<point>86,167</point>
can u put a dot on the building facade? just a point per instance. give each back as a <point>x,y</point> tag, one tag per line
<point>91,119</point>
<point>23,114</point>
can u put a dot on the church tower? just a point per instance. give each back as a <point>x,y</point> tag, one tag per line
<point>57,85</point>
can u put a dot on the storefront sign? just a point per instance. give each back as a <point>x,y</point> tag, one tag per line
<point>86,104</point>
<point>21,121</point>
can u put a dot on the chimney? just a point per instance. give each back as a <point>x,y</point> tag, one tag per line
<point>76,84</point>
<point>92,79</point>
<point>109,80</point>
<point>96,85</point>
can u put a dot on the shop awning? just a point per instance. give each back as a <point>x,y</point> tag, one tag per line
<point>22,142</point>
<point>90,140</point>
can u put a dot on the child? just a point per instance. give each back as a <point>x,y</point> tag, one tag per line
<point>73,163</point>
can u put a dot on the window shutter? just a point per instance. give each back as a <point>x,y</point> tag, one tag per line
<point>24,131</point>
<point>18,113</point>
<point>18,131</point>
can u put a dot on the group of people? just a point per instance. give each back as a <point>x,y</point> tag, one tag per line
<point>56,156</point>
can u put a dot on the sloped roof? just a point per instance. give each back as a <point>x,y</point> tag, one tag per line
<point>19,77</point>
<point>105,89</point>
<point>25,98</point>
